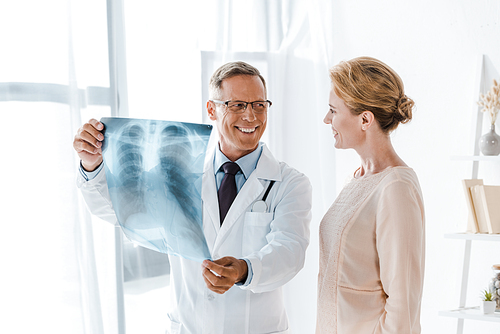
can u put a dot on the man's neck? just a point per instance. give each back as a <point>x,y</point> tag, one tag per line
<point>234,155</point>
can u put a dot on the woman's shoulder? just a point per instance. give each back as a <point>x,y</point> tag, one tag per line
<point>400,176</point>
<point>398,173</point>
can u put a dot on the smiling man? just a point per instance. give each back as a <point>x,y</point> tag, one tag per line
<point>256,215</point>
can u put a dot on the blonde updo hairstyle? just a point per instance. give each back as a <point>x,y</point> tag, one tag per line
<point>367,84</point>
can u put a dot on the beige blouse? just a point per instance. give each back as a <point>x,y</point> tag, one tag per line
<point>371,270</point>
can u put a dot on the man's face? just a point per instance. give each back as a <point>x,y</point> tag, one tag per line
<point>239,134</point>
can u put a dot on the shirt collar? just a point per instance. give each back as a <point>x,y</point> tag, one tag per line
<point>247,163</point>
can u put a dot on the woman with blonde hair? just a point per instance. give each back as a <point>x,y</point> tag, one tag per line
<point>372,238</point>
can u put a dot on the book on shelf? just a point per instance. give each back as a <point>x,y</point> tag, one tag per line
<point>472,225</point>
<point>487,207</point>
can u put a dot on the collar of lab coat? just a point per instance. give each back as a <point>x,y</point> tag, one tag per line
<point>268,169</point>
<point>247,163</point>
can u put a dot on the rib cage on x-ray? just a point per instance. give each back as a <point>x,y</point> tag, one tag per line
<point>130,146</point>
<point>154,171</point>
<point>174,147</point>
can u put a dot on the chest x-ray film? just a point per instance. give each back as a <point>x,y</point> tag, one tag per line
<point>154,171</point>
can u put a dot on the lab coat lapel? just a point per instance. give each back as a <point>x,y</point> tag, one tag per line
<point>211,218</point>
<point>267,169</point>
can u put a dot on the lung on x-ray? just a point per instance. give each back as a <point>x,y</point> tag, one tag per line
<point>154,171</point>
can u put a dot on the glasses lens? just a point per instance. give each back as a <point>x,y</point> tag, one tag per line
<point>260,106</point>
<point>236,106</point>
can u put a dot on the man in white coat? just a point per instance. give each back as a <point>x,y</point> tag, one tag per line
<point>259,244</point>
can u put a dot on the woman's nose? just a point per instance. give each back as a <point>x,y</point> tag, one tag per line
<point>327,119</point>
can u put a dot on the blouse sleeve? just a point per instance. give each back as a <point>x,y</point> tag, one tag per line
<point>400,241</point>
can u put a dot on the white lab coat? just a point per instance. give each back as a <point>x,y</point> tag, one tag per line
<point>274,241</point>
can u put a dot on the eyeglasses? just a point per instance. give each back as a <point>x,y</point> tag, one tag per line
<point>238,107</point>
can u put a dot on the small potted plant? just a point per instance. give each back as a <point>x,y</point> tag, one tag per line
<point>488,304</point>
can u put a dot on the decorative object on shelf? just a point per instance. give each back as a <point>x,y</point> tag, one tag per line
<point>472,223</point>
<point>495,285</point>
<point>486,199</point>
<point>489,143</point>
<point>482,203</point>
<point>488,304</point>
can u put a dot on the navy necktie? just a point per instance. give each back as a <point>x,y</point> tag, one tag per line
<point>227,190</point>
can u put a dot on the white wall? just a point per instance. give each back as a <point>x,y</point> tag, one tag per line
<point>434,46</point>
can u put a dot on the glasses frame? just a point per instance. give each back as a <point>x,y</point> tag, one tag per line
<point>226,103</point>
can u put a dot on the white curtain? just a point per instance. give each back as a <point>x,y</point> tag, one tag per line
<point>54,73</point>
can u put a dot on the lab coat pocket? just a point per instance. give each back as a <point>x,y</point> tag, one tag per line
<point>175,327</point>
<point>257,226</point>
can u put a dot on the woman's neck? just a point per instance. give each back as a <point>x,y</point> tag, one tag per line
<point>376,156</point>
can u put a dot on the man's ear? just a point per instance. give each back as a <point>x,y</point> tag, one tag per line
<point>211,110</point>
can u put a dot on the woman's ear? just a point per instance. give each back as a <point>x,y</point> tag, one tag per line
<point>367,119</point>
<point>211,110</point>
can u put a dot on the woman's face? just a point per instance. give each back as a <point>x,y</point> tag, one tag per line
<point>346,127</point>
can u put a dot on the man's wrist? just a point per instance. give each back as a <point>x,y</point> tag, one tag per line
<point>90,168</point>
<point>90,175</point>
<point>244,269</point>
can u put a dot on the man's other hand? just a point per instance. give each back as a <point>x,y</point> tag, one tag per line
<point>220,275</point>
